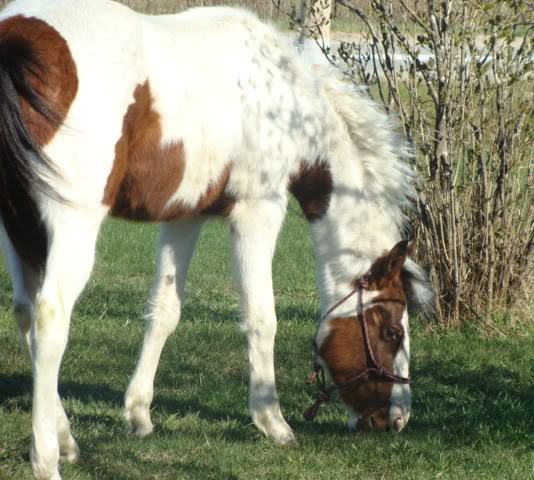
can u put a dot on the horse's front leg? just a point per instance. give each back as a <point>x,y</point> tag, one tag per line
<point>176,246</point>
<point>255,226</point>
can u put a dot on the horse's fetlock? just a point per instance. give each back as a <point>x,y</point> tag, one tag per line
<point>45,462</point>
<point>139,421</point>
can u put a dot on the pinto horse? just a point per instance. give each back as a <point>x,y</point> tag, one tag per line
<point>176,119</point>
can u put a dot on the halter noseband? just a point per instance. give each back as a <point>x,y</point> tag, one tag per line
<point>373,367</point>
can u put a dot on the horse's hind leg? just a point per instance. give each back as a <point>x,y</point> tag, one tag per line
<point>175,250</point>
<point>72,241</point>
<point>255,227</point>
<point>26,285</point>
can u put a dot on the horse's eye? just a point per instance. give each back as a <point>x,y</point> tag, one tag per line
<point>392,334</point>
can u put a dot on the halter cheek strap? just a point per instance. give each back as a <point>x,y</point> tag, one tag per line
<point>374,368</point>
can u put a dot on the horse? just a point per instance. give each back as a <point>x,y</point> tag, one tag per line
<point>176,119</point>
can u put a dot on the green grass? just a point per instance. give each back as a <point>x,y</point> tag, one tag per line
<point>473,412</point>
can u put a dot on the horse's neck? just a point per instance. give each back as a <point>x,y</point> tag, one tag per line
<point>371,184</point>
<point>356,229</point>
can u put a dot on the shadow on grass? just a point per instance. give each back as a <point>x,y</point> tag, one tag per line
<point>135,465</point>
<point>459,403</point>
<point>463,401</point>
<point>15,394</point>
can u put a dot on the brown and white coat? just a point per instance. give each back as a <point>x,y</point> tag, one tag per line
<point>174,119</point>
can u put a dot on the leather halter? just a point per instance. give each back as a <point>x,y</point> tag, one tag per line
<point>374,369</point>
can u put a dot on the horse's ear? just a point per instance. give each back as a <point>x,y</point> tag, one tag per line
<point>397,256</point>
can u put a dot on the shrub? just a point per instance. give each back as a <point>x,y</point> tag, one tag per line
<point>459,76</point>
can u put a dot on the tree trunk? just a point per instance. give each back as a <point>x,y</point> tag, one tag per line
<point>325,12</point>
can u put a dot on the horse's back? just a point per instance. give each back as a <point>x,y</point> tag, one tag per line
<point>231,88</point>
<point>169,108</point>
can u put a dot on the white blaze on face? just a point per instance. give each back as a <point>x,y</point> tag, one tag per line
<point>401,399</point>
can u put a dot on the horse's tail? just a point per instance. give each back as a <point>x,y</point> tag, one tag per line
<point>20,153</point>
<point>384,153</point>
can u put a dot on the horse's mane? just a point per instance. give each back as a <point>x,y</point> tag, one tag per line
<point>383,152</point>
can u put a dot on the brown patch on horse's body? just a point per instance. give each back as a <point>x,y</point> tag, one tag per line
<point>145,174</point>
<point>384,274</point>
<point>46,65</point>
<point>57,79</point>
<point>312,187</point>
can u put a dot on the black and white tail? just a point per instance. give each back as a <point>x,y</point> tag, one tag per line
<point>20,71</point>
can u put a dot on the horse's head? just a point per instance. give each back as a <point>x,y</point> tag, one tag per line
<point>367,354</point>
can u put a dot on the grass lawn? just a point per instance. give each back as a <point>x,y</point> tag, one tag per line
<point>473,411</point>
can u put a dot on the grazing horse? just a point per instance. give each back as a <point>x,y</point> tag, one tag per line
<point>175,119</point>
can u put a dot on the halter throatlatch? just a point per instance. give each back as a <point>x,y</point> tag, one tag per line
<point>377,371</point>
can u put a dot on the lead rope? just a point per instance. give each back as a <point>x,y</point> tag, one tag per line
<point>325,393</point>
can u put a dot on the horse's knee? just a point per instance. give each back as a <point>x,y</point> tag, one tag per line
<point>162,324</point>
<point>165,311</point>
<point>51,321</point>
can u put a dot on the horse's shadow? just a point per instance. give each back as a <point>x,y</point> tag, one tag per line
<point>432,378</point>
<point>482,400</point>
<point>485,385</point>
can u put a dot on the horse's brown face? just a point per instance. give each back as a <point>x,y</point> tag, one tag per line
<point>377,403</point>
